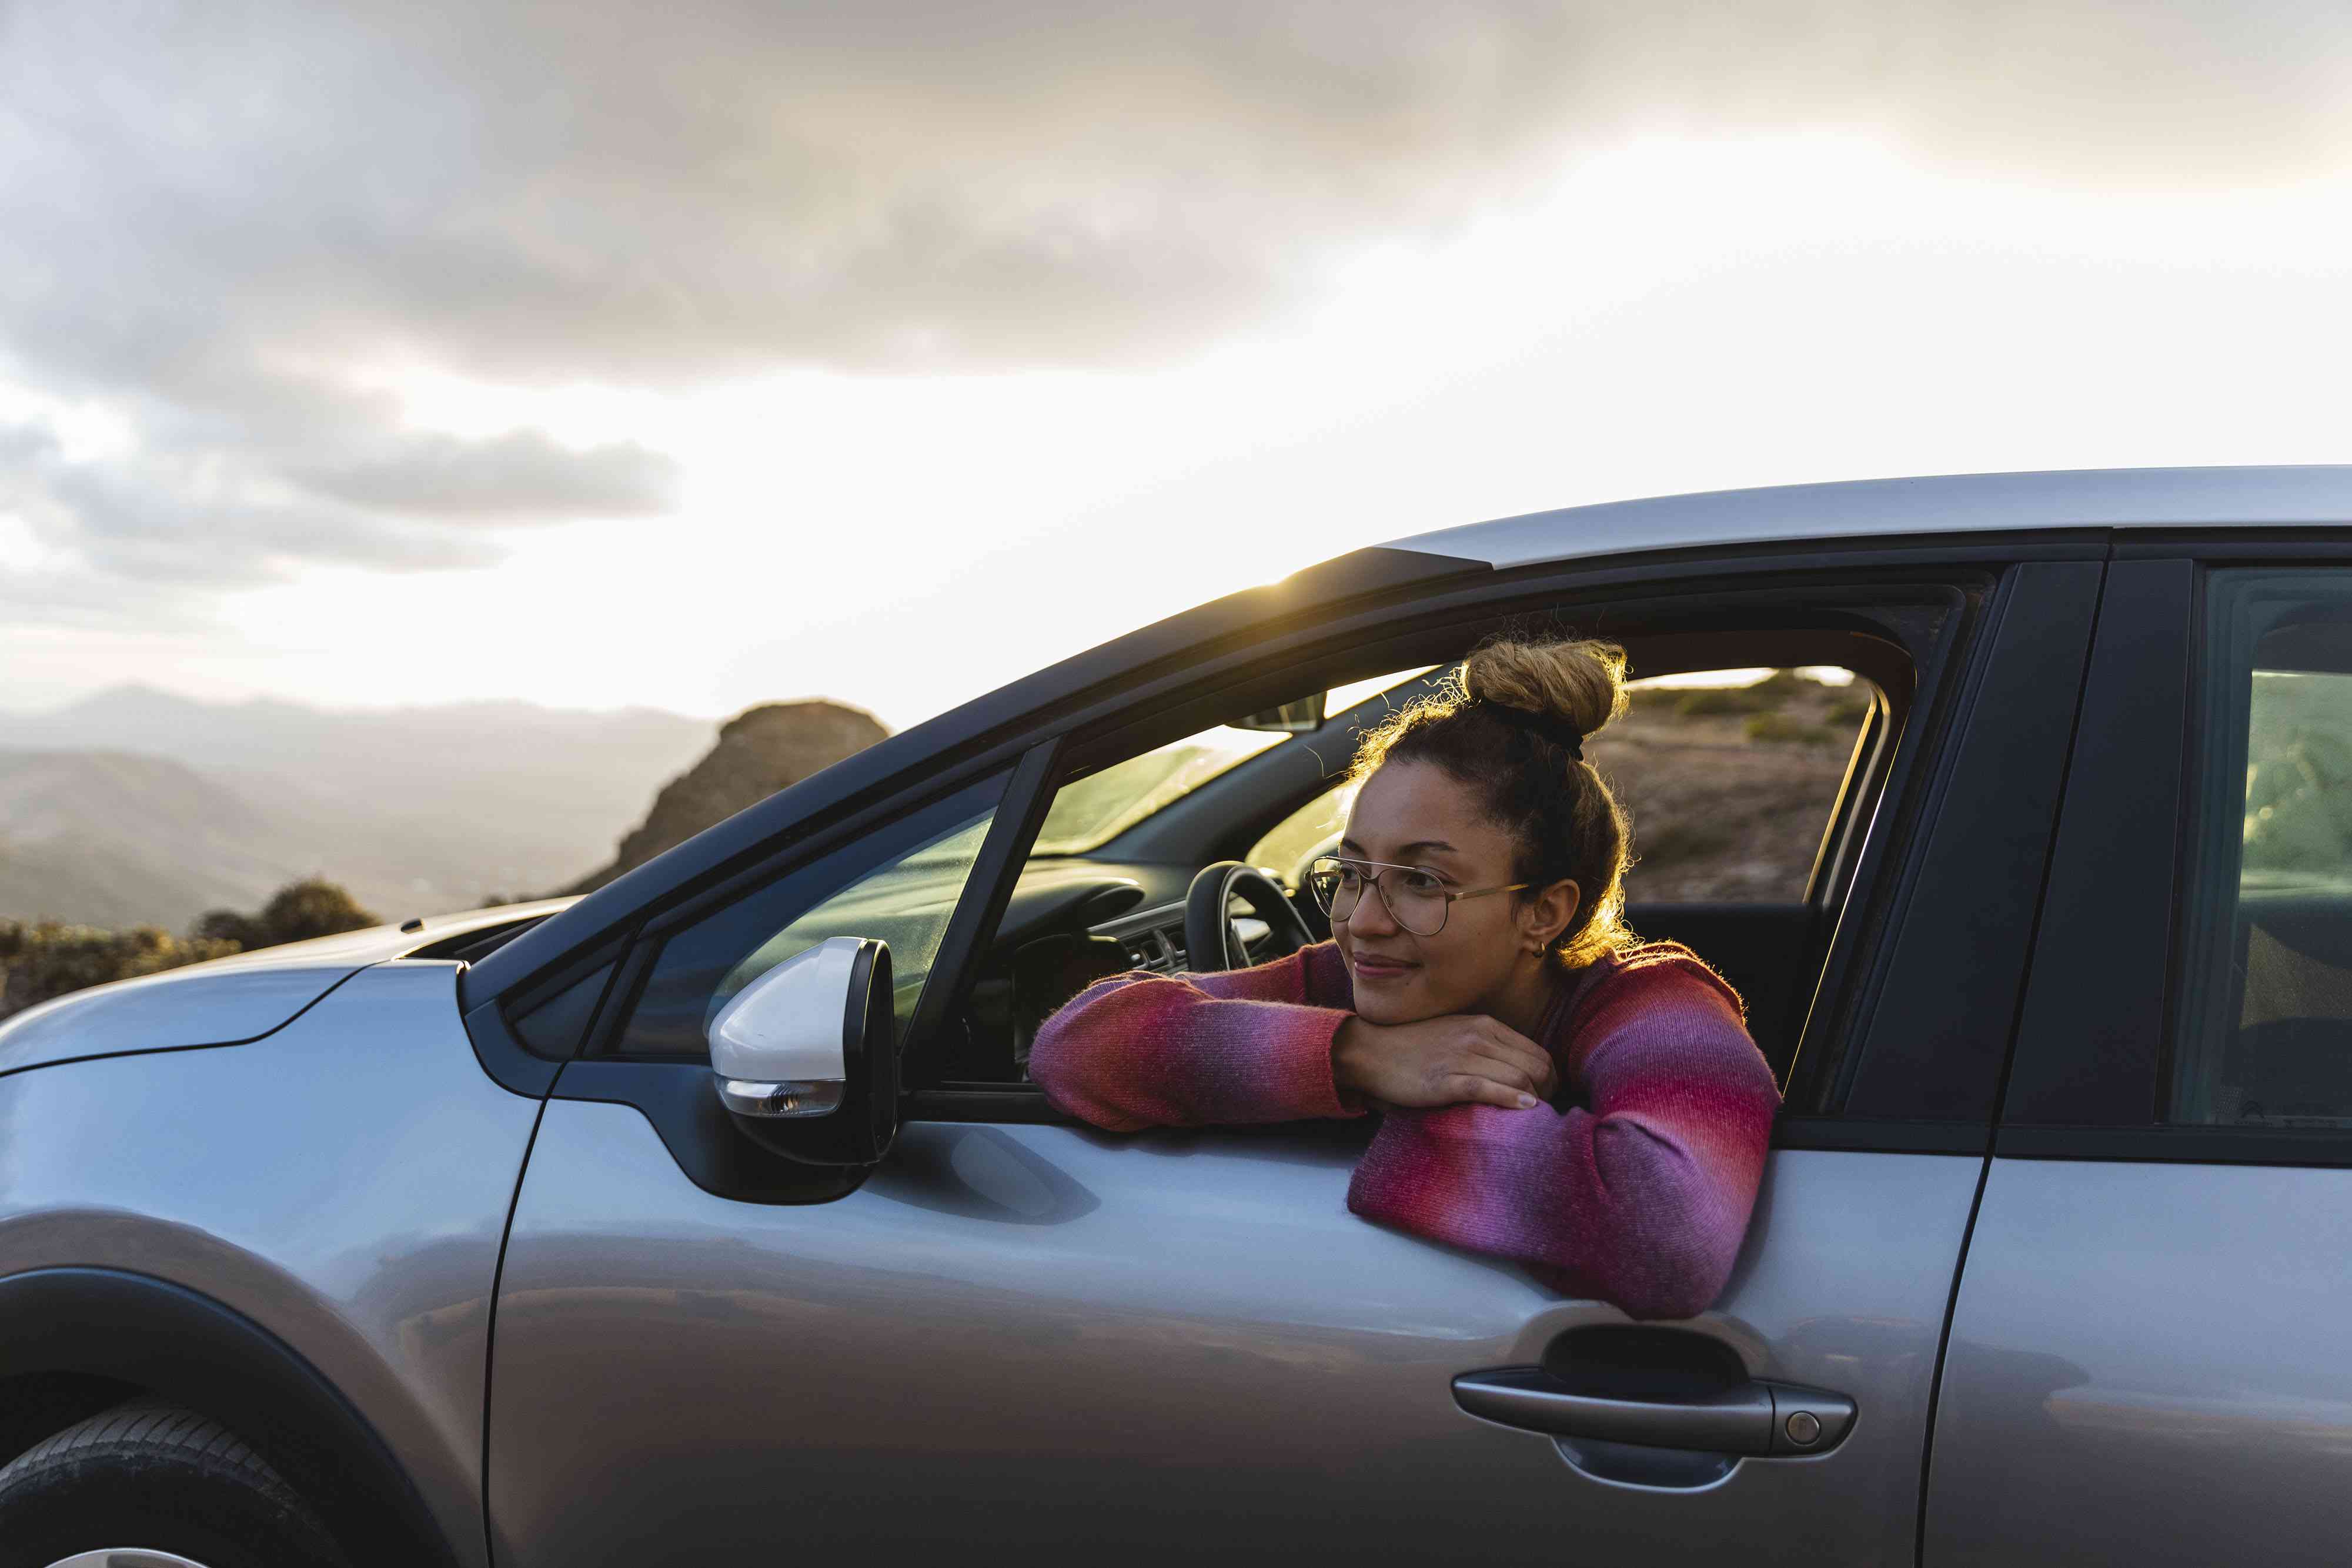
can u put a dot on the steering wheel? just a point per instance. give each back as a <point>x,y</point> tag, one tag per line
<point>1210,940</point>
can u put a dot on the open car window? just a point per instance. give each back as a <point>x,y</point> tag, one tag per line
<point>1730,775</point>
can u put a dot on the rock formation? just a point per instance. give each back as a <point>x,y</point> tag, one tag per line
<point>760,751</point>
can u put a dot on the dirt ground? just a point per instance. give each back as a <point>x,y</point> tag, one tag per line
<point>1728,790</point>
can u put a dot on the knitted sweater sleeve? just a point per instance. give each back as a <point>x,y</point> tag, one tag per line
<point>1642,1199</point>
<point>1187,1050</point>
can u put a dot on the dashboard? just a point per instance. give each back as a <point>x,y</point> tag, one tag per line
<point>1151,939</point>
<point>1069,923</point>
<point>1154,938</point>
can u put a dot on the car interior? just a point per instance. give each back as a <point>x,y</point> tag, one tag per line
<point>1209,876</point>
<point>1175,839</point>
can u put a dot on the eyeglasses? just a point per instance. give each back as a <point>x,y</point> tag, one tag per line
<point>1416,897</point>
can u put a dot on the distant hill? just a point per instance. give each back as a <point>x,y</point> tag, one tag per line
<point>589,768</point>
<point>136,806</point>
<point>108,838</point>
<point>414,810</point>
<point>760,751</point>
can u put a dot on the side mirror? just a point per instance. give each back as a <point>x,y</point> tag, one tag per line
<point>1301,717</point>
<point>806,1058</point>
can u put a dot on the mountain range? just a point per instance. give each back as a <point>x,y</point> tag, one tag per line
<point>137,805</point>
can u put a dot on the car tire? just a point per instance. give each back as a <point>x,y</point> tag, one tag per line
<point>150,1477</point>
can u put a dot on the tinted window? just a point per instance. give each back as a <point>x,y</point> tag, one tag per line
<point>2265,1030</point>
<point>900,884</point>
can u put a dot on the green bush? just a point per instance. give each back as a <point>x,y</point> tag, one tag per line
<point>1707,701</point>
<point>1773,691</point>
<point>1678,841</point>
<point>295,913</point>
<point>1779,728</point>
<point>240,931</point>
<point>45,958</point>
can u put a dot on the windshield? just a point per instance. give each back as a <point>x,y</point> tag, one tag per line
<point>1098,808</point>
<point>1091,812</point>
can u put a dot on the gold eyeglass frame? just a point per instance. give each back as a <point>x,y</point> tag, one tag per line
<point>1377,880</point>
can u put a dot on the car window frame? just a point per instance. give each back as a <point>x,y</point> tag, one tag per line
<point>626,993</point>
<point>1240,664</point>
<point>1867,572</point>
<point>2090,1073</point>
<point>1933,1014</point>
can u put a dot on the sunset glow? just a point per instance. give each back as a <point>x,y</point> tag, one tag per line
<point>1647,312</point>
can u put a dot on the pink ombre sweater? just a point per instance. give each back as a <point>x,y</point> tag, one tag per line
<point>1637,1193</point>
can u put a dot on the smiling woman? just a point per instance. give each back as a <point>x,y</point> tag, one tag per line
<point>1480,969</point>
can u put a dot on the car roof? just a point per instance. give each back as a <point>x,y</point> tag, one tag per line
<point>2150,497</point>
<point>1947,503</point>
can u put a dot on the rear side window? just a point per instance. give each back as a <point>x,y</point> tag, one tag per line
<point>2264,1029</point>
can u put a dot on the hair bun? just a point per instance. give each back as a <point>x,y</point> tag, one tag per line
<point>1579,681</point>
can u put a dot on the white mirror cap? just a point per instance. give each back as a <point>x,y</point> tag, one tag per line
<point>790,1024</point>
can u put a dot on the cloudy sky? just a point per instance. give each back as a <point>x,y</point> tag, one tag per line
<point>714,351</point>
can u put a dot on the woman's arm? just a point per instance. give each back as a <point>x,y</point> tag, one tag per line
<point>1643,1199</point>
<point>1243,1045</point>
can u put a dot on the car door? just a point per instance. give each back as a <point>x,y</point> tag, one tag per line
<point>1018,1334</point>
<point>2146,1360</point>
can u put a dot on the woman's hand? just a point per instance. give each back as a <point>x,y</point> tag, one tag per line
<point>1461,1059</point>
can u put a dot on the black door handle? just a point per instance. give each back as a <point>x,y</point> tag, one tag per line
<point>1756,1418</point>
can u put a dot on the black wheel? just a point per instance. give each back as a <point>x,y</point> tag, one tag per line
<point>148,1485</point>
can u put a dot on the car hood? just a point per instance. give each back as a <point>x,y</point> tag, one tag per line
<point>224,1002</point>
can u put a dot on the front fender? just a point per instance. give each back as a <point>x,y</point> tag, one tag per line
<point>342,1184</point>
<point>171,1341</point>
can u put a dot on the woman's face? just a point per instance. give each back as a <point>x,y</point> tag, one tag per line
<point>1413,813</point>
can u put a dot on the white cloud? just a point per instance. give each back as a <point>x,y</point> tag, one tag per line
<point>844,327</point>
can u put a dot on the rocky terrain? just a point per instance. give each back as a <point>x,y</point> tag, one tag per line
<point>1728,789</point>
<point>760,751</point>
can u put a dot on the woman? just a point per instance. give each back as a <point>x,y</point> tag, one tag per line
<point>1552,1090</point>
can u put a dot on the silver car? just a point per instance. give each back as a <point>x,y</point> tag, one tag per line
<point>711,1217</point>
